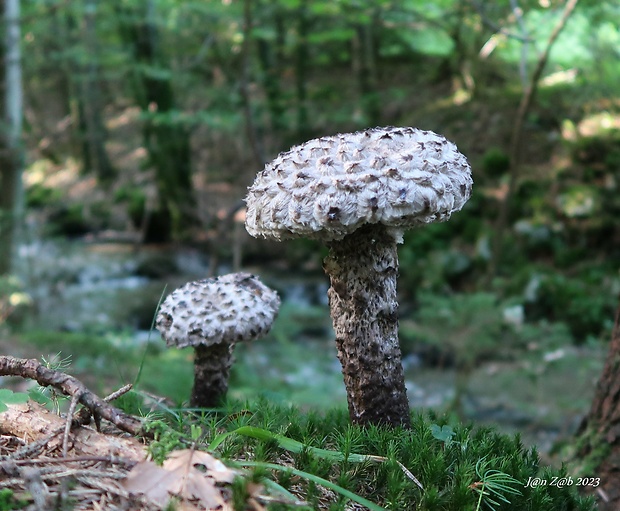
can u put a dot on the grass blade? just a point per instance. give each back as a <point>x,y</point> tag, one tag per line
<point>291,445</point>
<point>315,479</point>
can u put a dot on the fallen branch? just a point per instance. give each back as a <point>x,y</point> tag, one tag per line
<point>70,386</point>
<point>33,422</point>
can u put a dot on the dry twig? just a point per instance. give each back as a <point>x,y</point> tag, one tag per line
<point>70,386</point>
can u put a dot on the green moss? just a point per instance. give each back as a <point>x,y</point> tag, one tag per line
<point>449,472</point>
<point>8,501</point>
<point>596,448</point>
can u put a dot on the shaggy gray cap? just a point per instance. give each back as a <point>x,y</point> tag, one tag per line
<point>231,308</point>
<point>328,187</point>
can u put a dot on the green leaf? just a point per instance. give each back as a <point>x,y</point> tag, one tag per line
<point>38,396</point>
<point>443,433</point>
<point>8,397</point>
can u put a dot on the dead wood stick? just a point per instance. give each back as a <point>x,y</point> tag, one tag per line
<point>65,441</point>
<point>33,422</point>
<point>111,459</point>
<point>44,376</point>
<point>84,415</point>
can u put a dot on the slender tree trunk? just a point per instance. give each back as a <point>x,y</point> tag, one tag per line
<point>270,57</point>
<point>527,100</point>
<point>167,142</point>
<point>11,187</point>
<point>301,66</point>
<point>244,87</point>
<point>80,85</point>
<point>91,106</point>
<point>364,63</point>
<point>599,435</point>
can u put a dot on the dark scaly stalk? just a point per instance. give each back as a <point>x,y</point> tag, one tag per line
<point>211,371</point>
<point>363,268</point>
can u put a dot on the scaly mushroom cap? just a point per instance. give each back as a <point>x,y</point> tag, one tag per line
<point>231,308</point>
<point>328,187</point>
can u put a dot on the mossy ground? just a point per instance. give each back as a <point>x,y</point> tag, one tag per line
<point>446,461</point>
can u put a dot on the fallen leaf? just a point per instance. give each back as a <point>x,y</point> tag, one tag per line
<point>214,467</point>
<point>180,477</point>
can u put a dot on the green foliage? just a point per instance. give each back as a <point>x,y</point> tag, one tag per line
<point>495,162</point>
<point>39,196</point>
<point>8,397</point>
<point>579,302</point>
<point>101,358</point>
<point>494,486</point>
<point>135,200</point>
<point>69,221</point>
<point>166,439</point>
<point>431,261</point>
<point>443,433</point>
<point>296,361</point>
<point>13,298</point>
<point>467,326</point>
<point>9,502</point>
<point>601,151</point>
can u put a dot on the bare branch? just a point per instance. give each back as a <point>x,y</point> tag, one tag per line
<point>495,27</point>
<point>518,13</point>
<point>70,386</point>
<point>517,135</point>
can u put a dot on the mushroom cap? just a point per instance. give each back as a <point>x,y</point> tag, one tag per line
<point>231,308</point>
<point>328,187</point>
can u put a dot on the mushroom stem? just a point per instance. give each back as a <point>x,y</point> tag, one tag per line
<point>211,371</point>
<point>363,268</point>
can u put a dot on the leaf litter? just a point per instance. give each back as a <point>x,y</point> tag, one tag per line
<point>189,475</point>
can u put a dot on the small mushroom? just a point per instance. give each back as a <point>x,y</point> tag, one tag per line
<point>379,183</point>
<point>212,315</point>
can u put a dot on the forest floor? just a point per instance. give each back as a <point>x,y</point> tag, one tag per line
<point>220,182</point>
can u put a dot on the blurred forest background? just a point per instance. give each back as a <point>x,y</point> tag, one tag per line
<point>143,122</point>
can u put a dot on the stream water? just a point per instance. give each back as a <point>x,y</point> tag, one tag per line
<point>79,286</point>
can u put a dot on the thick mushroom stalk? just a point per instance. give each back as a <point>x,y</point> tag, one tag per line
<point>358,193</point>
<point>211,373</point>
<point>212,315</point>
<point>363,268</point>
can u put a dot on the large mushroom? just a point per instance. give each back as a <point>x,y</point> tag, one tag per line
<point>358,193</point>
<point>212,315</point>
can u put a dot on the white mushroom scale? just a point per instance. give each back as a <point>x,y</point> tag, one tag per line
<point>358,193</point>
<point>212,315</point>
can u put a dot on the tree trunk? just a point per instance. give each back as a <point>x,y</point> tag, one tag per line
<point>166,141</point>
<point>90,105</point>
<point>11,187</point>
<point>244,87</point>
<point>301,67</point>
<point>363,268</point>
<point>599,435</point>
<point>365,67</point>
<point>270,57</point>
